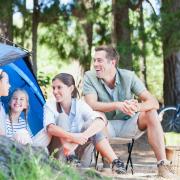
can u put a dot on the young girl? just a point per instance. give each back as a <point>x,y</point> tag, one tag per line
<point>4,91</point>
<point>16,126</point>
<point>74,124</point>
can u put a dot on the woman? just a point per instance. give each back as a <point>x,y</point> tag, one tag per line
<point>4,91</point>
<point>75,126</point>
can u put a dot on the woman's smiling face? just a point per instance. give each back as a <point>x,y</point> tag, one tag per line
<point>61,91</point>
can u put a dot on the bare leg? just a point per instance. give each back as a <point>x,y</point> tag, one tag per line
<point>95,127</point>
<point>106,150</point>
<point>68,147</point>
<point>149,120</point>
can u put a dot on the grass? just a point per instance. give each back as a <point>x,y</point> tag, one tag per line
<point>32,167</point>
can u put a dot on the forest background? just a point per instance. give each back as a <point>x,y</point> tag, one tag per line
<point>62,34</point>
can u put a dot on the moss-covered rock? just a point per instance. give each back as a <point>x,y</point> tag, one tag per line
<point>26,162</point>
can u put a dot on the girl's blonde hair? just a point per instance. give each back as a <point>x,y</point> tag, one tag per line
<point>25,111</point>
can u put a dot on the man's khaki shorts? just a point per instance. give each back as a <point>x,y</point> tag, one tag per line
<point>124,128</point>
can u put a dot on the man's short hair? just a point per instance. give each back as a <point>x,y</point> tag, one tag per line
<point>111,52</point>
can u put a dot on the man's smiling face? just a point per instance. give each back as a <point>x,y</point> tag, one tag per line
<point>102,65</point>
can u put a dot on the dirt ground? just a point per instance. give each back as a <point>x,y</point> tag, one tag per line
<point>143,159</point>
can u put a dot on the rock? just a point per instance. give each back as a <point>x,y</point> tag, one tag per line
<point>13,152</point>
<point>15,156</point>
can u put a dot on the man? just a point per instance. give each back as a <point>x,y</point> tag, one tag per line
<point>111,90</point>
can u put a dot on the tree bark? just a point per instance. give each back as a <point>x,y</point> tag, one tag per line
<point>10,21</point>
<point>88,27</point>
<point>171,52</point>
<point>121,32</point>
<point>172,79</point>
<point>35,22</point>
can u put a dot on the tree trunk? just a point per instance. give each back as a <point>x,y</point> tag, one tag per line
<point>88,27</point>
<point>172,79</point>
<point>6,19</point>
<point>10,21</point>
<point>24,26</point>
<point>35,22</point>
<point>171,52</point>
<point>121,32</point>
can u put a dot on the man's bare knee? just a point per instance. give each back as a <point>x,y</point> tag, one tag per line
<point>152,116</point>
<point>148,118</point>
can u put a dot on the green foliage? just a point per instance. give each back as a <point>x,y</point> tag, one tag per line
<point>153,29</point>
<point>66,38</point>
<point>62,37</point>
<point>153,51</point>
<point>22,25</point>
<point>155,74</point>
<point>33,168</point>
<point>2,176</point>
<point>5,7</point>
<point>102,23</point>
<point>29,168</point>
<point>151,35</point>
<point>136,45</point>
<point>44,82</point>
<point>50,11</point>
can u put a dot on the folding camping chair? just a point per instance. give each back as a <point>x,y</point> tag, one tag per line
<point>129,142</point>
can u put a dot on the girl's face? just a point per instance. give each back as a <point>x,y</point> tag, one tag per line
<point>18,102</point>
<point>4,85</point>
<point>61,91</point>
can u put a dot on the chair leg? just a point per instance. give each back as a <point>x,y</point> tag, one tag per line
<point>129,160</point>
<point>96,155</point>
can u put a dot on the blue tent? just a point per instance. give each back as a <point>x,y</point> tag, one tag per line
<point>15,62</point>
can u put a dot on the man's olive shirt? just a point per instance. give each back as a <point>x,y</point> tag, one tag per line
<point>127,84</point>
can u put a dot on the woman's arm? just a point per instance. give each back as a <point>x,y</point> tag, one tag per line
<point>70,137</point>
<point>94,121</point>
<point>96,126</point>
<point>59,132</point>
